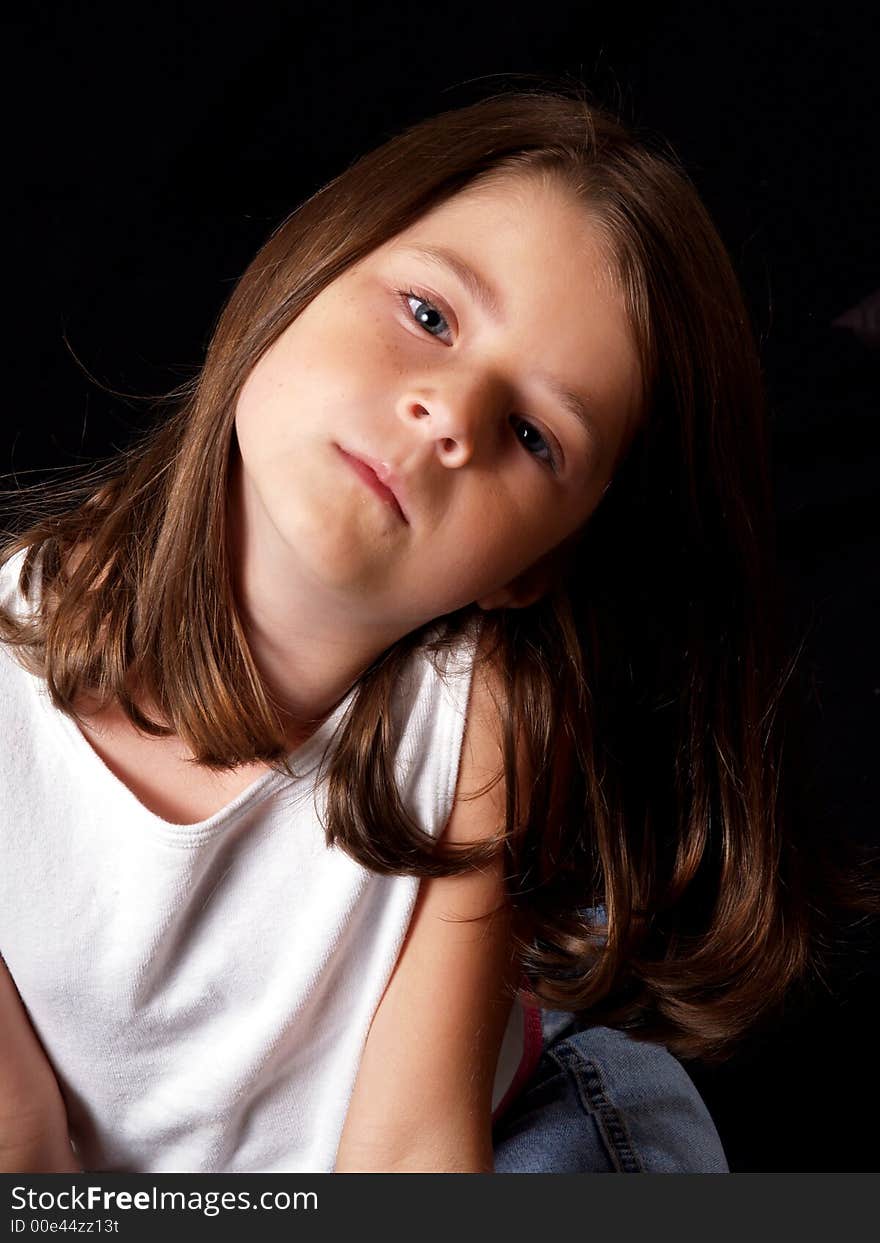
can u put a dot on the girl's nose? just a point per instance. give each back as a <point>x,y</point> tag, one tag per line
<point>452,425</point>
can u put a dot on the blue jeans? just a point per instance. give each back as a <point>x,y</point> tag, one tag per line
<point>600,1102</point>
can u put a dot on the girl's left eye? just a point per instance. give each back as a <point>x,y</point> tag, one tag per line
<point>533,442</point>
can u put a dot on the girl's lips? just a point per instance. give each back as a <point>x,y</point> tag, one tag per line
<point>368,473</point>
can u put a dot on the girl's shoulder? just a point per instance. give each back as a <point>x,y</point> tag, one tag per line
<point>430,707</point>
<point>437,675</point>
<point>12,597</point>
<point>22,691</point>
<point>455,647</point>
<point>16,607</point>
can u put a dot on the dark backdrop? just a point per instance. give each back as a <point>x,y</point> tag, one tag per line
<point>150,152</point>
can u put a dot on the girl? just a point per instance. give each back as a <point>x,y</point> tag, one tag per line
<point>416,674</point>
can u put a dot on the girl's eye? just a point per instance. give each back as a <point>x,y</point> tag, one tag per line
<point>533,442</point>
<point>426,314</point>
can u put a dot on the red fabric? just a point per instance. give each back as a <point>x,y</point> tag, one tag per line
<point>533,1046</point>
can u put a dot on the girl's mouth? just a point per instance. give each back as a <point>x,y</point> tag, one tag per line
<point>371,479</point>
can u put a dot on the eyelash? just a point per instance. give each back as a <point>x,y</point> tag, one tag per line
<point>405,295</point>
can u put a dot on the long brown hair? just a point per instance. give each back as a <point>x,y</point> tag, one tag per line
<point>655,881</point>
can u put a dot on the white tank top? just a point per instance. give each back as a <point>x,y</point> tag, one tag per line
<point>204,991</point>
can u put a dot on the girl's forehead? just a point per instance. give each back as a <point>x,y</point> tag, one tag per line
<point>513,218</point>
<point>505,198</point>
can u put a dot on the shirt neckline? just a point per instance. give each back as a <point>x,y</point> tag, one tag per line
<point>303,760</point>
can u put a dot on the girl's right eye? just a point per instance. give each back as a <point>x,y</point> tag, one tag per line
<point>426,313</point>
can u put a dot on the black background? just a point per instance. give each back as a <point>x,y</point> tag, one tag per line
<point>151,150</point>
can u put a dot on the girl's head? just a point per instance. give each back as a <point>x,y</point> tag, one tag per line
<point>360,326</point>
<point>482,360</point>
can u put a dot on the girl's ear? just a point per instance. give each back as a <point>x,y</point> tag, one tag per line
<point>532,583</point>
<point>518,594</point>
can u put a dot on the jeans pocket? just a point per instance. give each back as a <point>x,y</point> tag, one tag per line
<point>595,1101</point>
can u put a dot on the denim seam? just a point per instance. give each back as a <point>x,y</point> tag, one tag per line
<point>595,1101</point>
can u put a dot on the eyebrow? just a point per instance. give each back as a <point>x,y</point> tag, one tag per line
<point>486,296</point>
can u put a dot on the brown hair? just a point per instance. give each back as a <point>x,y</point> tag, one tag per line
<point>655,881</point>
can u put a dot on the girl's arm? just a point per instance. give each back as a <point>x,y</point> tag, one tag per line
<point>33,1119</point>
<point>423,1096</point>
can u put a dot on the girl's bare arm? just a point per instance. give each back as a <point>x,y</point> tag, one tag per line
<point>33,1119</point>
<point>422,1101</point>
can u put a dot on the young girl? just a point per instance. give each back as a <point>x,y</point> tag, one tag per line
<point>417,674</point>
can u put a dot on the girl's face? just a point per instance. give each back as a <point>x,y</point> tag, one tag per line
<point>446,412</point>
